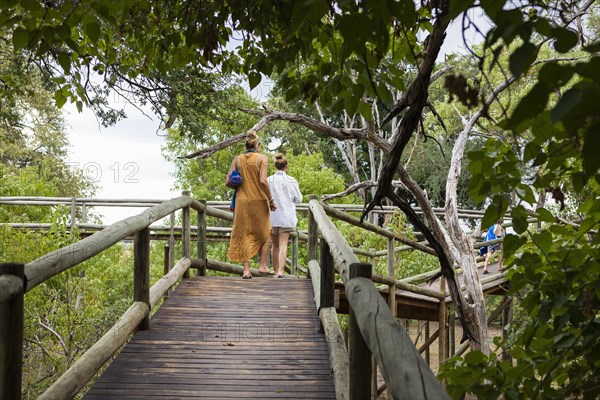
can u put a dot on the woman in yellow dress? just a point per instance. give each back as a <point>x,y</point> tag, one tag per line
<point>251,219</point>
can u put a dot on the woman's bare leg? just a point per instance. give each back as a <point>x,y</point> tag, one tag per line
<point>247,273</point>
<point>283,244</point>
<point>275,253</point>
<point>264,254</point>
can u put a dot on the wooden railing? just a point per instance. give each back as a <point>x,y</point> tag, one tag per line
<point>373,330</point>
<point>17,279</point>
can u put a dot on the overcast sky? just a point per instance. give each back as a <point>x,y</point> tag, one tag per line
<point>125,160</point>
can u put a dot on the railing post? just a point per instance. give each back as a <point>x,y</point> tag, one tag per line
<point>171,241</point>
<point>141,272</point>
<point>166,268</point>
<point>11,337</point>
<point>294,269</point>
<point>359,354</point>
<point>506,319</point>
<point>72,221</point>
<point>443,318</point>
<point>391,269</point>
<point>427,354</point>
<point>201,238</point>
<point>451,347</point>
<point>313,235</point>
<point>185,232</point>
<point>327,276</point>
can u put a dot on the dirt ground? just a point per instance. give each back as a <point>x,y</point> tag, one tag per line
<point>418,326</point>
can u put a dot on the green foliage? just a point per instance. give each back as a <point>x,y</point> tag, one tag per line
<point>69,313</point>
<point>554,269</point>
<point>314,177</point>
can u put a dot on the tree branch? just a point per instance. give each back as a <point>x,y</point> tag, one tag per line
<point>356,187</point>
<point>270,116</point>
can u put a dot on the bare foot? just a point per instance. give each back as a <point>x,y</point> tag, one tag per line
<point>265,271</point>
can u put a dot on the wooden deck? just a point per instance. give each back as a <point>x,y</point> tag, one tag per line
<point>226,338</point>
<point>419,307</point>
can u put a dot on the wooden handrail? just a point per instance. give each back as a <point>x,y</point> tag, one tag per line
<point>10,286</point>
<point>82,370</point>
<point>338,355</point>
<point>302,207</point>
<point>351,219</point>
<point>404,370</point>
<point>77,376</point>
<point>51,264</point>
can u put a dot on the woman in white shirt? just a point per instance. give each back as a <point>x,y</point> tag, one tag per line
<point>286,193</point>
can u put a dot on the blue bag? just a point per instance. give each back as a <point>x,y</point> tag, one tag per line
<point>232,205</point>
<point>235,178</point>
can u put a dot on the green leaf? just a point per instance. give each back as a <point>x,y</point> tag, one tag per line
<point>555,74</point>
<point>355,29</point>
<point>522,58</point>
<point>591,144</point>
<point>567,103</point>
<point>531,105</point>
<point>458,6</point>
<point>490,216</point>
<point>543,240</point>
<point>405,11</point>
<point>545,215</point>
<point>475,357</point>
<point>60,98</point>
<point>532,150</point>
<point>254,79</point>
<point>364,109</point>
<point>92,30</point>
<point>525,193</point>
<point>542,25</point>
<point>566,39</point>
<point>31,5</point>
<point>519,219</point>
<point>586,225</point>
<point>593,48</point>
<point>511,244</point>
<point>21,38</point>
<point>64,60</point>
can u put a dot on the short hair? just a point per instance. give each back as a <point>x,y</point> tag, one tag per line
<point>280,161</point>
<point>252,140</point>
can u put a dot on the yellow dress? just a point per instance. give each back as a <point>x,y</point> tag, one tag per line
<point>251,218</point>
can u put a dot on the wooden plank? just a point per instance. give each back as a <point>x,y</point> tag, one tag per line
<point>226,338</point>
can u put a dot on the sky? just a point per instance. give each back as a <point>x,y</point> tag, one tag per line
<point>125,160</point>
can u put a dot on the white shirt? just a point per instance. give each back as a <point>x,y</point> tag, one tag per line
<point>286,193</point>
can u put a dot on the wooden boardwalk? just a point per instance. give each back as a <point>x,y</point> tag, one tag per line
<point>419,307</point>
<point>226,338</point>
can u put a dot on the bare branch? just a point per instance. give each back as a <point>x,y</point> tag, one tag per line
<point>57,335</point>
<point>357,186</point>
<point>270,116</point>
